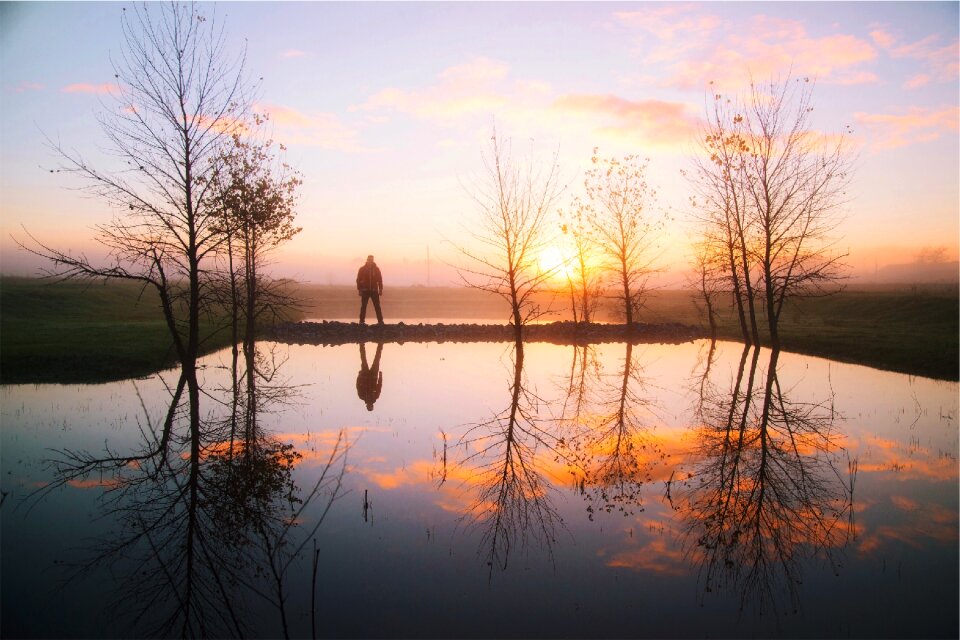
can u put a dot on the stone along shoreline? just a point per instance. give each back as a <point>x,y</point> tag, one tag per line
<point>565,333</point>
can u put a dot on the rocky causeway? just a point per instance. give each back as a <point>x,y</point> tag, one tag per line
<point>334,333</point>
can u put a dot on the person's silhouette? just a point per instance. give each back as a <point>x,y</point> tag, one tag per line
<point>369,379</point>
<point>370,287</point>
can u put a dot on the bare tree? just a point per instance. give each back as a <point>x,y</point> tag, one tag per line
<point>514,202</point>
<point>709,278</point>
<point>257,193</point>
<point>180,98</point>
<point>619,208</point>
<point>584,278</point>
<point>931,255</point>
<point>768,194</point>
<point>797,185</point>
<point>720,182</point>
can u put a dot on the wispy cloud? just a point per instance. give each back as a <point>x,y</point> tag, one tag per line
<point>319,129</point>
<point>482,87</point>
<point>463,89</point>
<point>86,87</point>
<point>28,86</point>
<point>293,53</point>
<point>668,21</point>
<point>859,77</point>
<point>916,125</point>
<point>696,48</point>
<point>655,556</point>
<point>941,61</point>
<point>883,38</point>
<point>645,122</point>
<point>917,81</point>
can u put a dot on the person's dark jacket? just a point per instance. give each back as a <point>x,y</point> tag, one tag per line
<point>369,278</point>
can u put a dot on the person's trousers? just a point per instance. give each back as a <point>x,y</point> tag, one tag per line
<point>375,297</point>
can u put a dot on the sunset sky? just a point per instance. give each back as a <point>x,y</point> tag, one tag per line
<point>386,107</point>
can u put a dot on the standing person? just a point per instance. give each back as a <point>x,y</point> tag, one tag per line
<point>370,287</point>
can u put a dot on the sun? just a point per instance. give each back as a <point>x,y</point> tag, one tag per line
<point>552,262</point>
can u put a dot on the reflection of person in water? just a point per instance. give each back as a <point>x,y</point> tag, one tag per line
<point>369,379</point>
<point>370,287</point>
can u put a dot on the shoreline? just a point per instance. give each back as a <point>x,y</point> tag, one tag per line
<point>330,333</point>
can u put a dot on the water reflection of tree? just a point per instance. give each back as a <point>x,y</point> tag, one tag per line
<point>608,420</point>
<point>208,515</point>
<point>765,492</point>
<point>512,504</point>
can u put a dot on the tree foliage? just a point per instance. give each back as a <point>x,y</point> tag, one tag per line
<point>257,194</point>
<point>618,205</point>
<point>769,190</point>
<point>181,97</point>
<point>584,279</point>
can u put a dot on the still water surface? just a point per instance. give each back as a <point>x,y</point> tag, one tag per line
<point>483,490</point>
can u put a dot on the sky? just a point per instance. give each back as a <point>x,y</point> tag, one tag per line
<point>386,109</point>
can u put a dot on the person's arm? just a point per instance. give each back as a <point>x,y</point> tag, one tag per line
<point>379,282</point>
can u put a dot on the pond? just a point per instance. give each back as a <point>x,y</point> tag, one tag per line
<point>485,490</point>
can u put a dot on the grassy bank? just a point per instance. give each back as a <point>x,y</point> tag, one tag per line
<point>908,329</point>
<point>84,332</point>
<point>81,332</point>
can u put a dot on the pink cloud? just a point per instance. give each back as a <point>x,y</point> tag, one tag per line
<point>882,38</point>
<point>917,49</point>
<point>940,60</point>
<point>293,53</point>
<point>28,86</point>
<point>666,22</point>
<point>469,88</point>
<point>917,125</point>
<point>318,129</point>
<point>831,59</point>
<point>904,503</point>
<point>917,81</point>
<point>921,527</point>
<point>656,556</point>
<point>94,483</point>
<point>434,103</point>
<point>728,54</point>
<point>770,28</point>
<point>943,62</point>
<point>481,71</point>
<point>85,87</point>
<point>860,77</point>
<point>651,122</point>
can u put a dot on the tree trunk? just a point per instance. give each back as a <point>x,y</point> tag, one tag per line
<point>748,285</point>
<point>627,301</point>
<point>738,296</point>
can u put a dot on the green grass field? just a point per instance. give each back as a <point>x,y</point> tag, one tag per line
<point>82,332</point>
<point>913,330</point>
